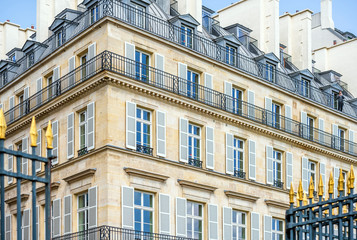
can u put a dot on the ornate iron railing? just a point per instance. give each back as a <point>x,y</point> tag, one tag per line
<point>144,149</point>
<point>239,174</point>
<point>278,184</point>
<point>195,162</point>
<point>82,151</point>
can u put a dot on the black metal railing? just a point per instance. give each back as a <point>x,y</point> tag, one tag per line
<point>108,232</point>
<point>82,151</point>
<point>239,174</point>
<point>278,183</point>
<point>195,162</point>
<point>118,64</point>
<point>144,149</point>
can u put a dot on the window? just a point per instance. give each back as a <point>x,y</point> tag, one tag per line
<point>30,59</point>
<point>344,175</point>
<point>239,225</point>
<point>277,162</point>
<point>144,212</point>
<point>83,129</point>
<point>276,108</point>
<point>194,143</point>
<point>61,37</point>
<point>341,139</point>
<point>83,61</point>
<point>142,66</point>
<point>237,95</point>
<point>4,77</point>
<point>270,72</point>
<point>310,128</point>
<point>305,87</point>
<point>277,229</point>
<point>186,36</point>
<point>12,58</point>
<point>22,105</point>
<point>82,212</point>
<point>50,88</point>
<point>194,220</point>
<point>94,14</point>
<point>143,130</point>
<point>192,83</point>
<point>242,33</point>
<point>231,55</point>
<point>312,172</point>
<point>335,102</point>
<point>139,17</point>
<point>238,155</point>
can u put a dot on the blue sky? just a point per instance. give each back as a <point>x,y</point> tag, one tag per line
<point>23,12</point>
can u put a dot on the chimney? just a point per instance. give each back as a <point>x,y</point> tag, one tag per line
<point>193,7</point>
<point>326,14</point>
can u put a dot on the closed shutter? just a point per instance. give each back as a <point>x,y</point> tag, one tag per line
<point>39,93</point>
<point>323,173</point>
<point>127,207</point>
<point>336,142</point>
<point>12,104</point>
<point>289,169</point>
<point>70,136</point>
<point>182,74</point>
<point>229,153</point>
<point>91,125</point>
<point>321,130</point>
<point>209,85</point>
<point>268,108</point>
<point>251,102</point>
<point>130,54</point>
<point>267,227</point>
<point>92,49</point>
<point>304,124</point>
<point>181,217</point>
<point>55,142</point>
<point>209,148</point>
<point>92,207</point>
<point>183,140</point>
<point>131,125</point>
<point>254,223</point>
<point>161,133</point>
<point>212,222</point>
<point>164,214</point>
<point>26,225</point>
<point>336,175</point>
<point>288,118</point>
<point>305,173</point>
<point>252,160</point>
<point>227,223</point>
<point>38,150</point>
<point>71,67</point>
<point>67,214</point>
<point>159,75</point>
<point>25,169</point>
<point>10,165</point>
<point>229,99</point>
<point>269,164</point>
<point>351,141</point>
<point>8,227</point>
<point>56,218</point>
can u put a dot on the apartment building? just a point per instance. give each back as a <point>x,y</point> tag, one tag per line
<point>165,124</point>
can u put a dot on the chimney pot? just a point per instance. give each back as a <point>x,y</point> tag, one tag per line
<point>32,27</point>
<point>8,20</point>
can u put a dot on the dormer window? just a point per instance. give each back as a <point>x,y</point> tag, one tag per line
<point>270,72</point>
<point>94,14</point>
<point>30,59</point>
<point>60,37</point>
<point>305,87</point>
<point>139,17</point>
<point>12,58</point>
<point>231,53</point>
<point>4,77</point>
<point>186,36</point>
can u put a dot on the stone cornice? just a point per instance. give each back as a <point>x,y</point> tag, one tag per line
<point>241,196</point>
<point>145,174</point>
<point>277,204</point>
<point>41,190</point>
<point>199,186</point>
<point>12,200</point>
<point>80,175</point>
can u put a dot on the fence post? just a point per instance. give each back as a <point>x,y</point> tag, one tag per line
<point>2,178</point>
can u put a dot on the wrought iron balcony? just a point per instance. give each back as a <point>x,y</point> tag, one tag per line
<point>108,232</point>
<point>82,151</point>
<point>239,174</point>
<point>195,162</point>
<point>144,149</point>
<point>278,184</point>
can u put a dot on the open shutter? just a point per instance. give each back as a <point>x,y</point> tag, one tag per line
<point>336,175</point>
<point>252,160</point>
<point>254,223</point>
<point>12,104</point>
<point>229,153</point>
<point>26,225</point>
<point>131,125</point>
<point>289,169</point>
<point>25,168</point>
<point>288,118</point>
<point>38,149</point>
<point>269,164</point>
<point>56,73</point>
<point>351,141</point>
<point>56,218</point>
<point>161,133</point>
<point>323,173</point>
<point>71,67</point>
<point>67,214</point>
<point>127,207</point>
<point>182,74</point>
<point>92,207</point>
<point>268,108</point>
<point>267,227</point>
<point>70,136</point>
<point>229,99</point>
<point>92,50</point>
<point>336,142</point>
<point>181,217</point>
<point>91,125</point>
<point>164,214</point>
<point>39,93</point>
<point>251,101</point>
<point>160,65</point>
<point>209,85</point>
<point>321,130</point>
<point>305,173</point>
<point>304,124</point>
<point>212,222</point>
<point>8,227</point>
<point>209,148</point>
<point>55,141</point>
<point>10,165</point>
<point>227,223</point>
<point>130,54</point>
<point>183,140</point>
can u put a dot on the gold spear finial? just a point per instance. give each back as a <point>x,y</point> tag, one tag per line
<point>348,183</point>
<point>330,184</point>
<point>340,186</point>
<point>33,133</point>
<point>49,135</point>
<point>291,193</point>
<point>321,187</point>
<point>305,199</point>
<point>352,178</point>
<point>2,124</point>
<point>311,188</point>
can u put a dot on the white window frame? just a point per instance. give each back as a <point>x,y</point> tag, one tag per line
<point>229,54</point>
<point>309,119</point>
<point>275,105</point>
<point>194,136</point>
<point>237,149</point>
<point>84,209</point>
<point>83,68</point>
<point>276,161</point>
<point>139,19</point>
<point>270,71</point>
<point>190,82</point>
<point>276,232</point>
<point>238,101</point>
<point>143,208</point>
<point>237,225</point>
<point>193,217</point>
<point>94,16</point>
<point>310,171</point>
<point>85,123</point>
<point>185,28</point>
<point>341,139</point>
<point>140,61</point>
<point>142,122</point>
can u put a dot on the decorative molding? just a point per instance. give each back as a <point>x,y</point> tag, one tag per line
<point>12,200</point>
<point>54,186</point>
<point>145,174</point>
<point>80,175</point>
<point>199,186</point>
<point>241,196</point>
<point>277,204</point>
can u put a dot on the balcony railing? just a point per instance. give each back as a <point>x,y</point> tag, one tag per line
<point>107,232</point>
<point>82,151</point>
<point>278,184</point>
<point>144,149</point>
<point>195,162</point>
<point>239,174</point>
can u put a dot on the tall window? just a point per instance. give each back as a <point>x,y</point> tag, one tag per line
<point>83,129</point>
<point>310,127</point>
<point>84,67</point>
<point>19,148</point>
<point>13,58</point>
<point>239,225</point>
<point>186,36</point>
<point>335,102</point>
<point>82,212</point>
<point>143,128</point>
<point>94,14</point>
<point>139,17</point>
<point>341,139</point>
<point>277,229</point>
<point>344,175</point>
<point>60,37</point>
<point>305,87</point>
<point>21,103</point>
<point>276,109</point>
<point>312,172</point>
<point>142,66</point>
<point>30,59</point>
<point>192,83</point>
<point>231,54</point>
<point>194,220</point>
<point>144,212</point>
<point>50,87</point>
<point>194,142</point>
<point>270,72</point>
<point>237,95</point>
<point>238,154</point>
<point>277,162</point>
